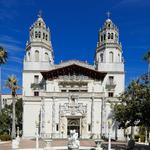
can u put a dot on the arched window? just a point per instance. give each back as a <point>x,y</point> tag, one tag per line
<point>46,57</point>
<point>111,57</point>
<point>118,57</point>
<point>43,35</point>
<point>101,38</point>
<point>101,57</point>
<point>112,35</point>
<point>36,34</point>
<point>39,34</point>
<point>104,37</point>
<point>36,55</point>
<point>29,56</point>
<point>108,35</point>
<point>46,37</point>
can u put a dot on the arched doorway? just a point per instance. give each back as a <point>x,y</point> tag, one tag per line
<point>73,124</point>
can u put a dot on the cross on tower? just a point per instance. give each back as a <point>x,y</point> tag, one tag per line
<point>108,14</point>
<point>40,13</point>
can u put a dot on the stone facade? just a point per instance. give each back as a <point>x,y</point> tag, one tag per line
<point>72,94</point>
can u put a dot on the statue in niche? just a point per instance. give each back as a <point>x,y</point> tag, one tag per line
<point>62,124</point>
<point>84,123</point>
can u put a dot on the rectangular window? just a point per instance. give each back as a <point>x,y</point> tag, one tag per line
<point>89,127</point>
<point>36,93</point>
<point>63,91</point>
<point>110,94</point>
<point>57,127</point>
<point>36,79</point>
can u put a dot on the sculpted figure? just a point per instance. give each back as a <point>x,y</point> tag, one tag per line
<point>73,142</point>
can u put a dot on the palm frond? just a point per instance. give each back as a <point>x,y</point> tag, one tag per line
<point>3,55</point>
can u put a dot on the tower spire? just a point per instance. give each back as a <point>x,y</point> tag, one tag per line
<point>108,14</point>
<point>40,14</point>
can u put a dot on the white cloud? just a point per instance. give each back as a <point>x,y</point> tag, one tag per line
<point>9,39</point>
<point>16,59</point>
<point>11,47</point>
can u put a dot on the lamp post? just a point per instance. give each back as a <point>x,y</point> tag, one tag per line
<point>37,135</point>
<point>109,133</point>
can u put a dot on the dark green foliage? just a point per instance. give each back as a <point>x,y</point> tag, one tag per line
<point>134,106</point>
<point>5,137</point>
<point>6,118</point>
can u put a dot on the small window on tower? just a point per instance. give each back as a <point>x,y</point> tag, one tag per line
<point>111,80</point>
<point>36,34</point>
<point>108,35</point>
<point>43,35</point>
<point>46,37</point>
<point>118,57</point>
<point>39,24</point>
<point>101,38</point>
<point>36,93</point>
<point>110,94</point>
<point>111,57</point>
<point>104,37</point>
<point>36,79</point>
<point>29,56</point>
<point>101,57</point>
<point>46,57</point>
<point>36,55</point>
<point>39,34</point>
<point>112,35</point>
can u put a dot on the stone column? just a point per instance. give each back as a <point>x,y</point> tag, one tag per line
<point>92,115</point>
<point>53,118</point>
<point>102,117</point>
<point>42,126</point>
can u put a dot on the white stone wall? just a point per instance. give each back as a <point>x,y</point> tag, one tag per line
<point>31,111</point>
<point>28,79</point>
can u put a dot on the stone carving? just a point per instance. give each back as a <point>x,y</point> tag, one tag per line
<point>73,109</point>
<point>84,123</point>
<point>62,124</point>
<point>73,142</point>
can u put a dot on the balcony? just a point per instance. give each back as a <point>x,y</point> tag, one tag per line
<point>37,86</point>
<point>110,85</point>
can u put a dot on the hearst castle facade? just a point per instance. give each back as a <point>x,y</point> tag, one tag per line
<point>72,94</point>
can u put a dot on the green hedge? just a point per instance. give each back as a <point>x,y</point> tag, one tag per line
<point>5,137</point>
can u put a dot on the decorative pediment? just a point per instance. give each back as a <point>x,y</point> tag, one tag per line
<point>73,72</point>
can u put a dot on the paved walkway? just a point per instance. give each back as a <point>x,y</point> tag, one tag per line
<point>26,143</point>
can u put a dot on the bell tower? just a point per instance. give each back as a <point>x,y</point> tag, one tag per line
<point>38,57</point>
<point>109,49</point>
<point>39,52</point>
<point>108,58</point>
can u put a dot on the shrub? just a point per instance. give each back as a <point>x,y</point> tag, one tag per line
<point>136,137</point>
<point>5,137</point>
<point>142,137</point>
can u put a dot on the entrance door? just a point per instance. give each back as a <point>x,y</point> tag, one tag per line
<point>73,124</point>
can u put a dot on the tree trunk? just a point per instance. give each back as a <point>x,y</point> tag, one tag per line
<point>132,133</point>
<point>13,119</point>
<point>149,71</point>
<point>0,89</point>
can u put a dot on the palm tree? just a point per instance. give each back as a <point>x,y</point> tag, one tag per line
<point>3,59</point>
<point>11,83</point>
<point>147,58</point>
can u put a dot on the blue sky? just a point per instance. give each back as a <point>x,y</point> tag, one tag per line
<point>74,26</point>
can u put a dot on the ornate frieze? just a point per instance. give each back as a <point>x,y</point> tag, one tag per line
<point>73,108</point>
